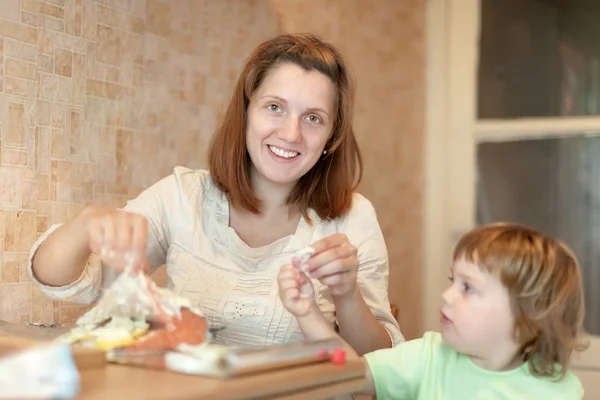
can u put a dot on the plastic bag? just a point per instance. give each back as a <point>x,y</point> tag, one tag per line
<point>132,306</point>
<point>43,372</point>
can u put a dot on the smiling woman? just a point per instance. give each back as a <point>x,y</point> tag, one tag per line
<point>283,167</point>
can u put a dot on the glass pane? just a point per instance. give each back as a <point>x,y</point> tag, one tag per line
<point>539,58</point>
<point>552,185</point>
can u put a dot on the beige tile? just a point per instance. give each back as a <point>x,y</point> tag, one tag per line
<point>107,169</point>
<point>10,272</point>
<point>52,23</point>
<point>158,17</point>
<point>20,69</point>
<point>29,195</point>
<point>43,185</point>
<point>14,157</point>
<point>107,140</point>
<point>41,224</point>
<point>20,230</point>
<point>43,140</point>
<point>56,213</point>
<point>30,5</point>
<point>52,10</point>
<point>105,72</point>
<point>73,17</point>
<point>18,31</point>
<point>9,9</point>
<point>63,62</point>
<point>14,268</point>
<point>43,112</point>
<point>15,302</point>
<point>46,42</point>
<point>89,21</point>
<point>74,132</point>
<point>49,86</point>
<point>65,90</point>
<point>45,63</point>
<point>58,115</point>
<point>16,133</point>
<point>43,310</point>
<point>2,227</point>
<point>58,147</point>
<point>109,45</point>
<point>20,50</point>
<point>17,86</point>
<point>29,18</point>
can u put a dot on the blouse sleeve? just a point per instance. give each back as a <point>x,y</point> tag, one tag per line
<point>365,234</point>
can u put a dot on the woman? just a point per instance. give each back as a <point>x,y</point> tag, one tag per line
<point>283,166</point>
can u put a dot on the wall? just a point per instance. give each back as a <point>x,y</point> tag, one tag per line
<point>384,42</point>
<point>101,98</point>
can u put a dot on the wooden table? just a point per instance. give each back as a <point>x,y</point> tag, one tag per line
<point>315,381</point>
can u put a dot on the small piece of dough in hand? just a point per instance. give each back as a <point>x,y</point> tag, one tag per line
<point>299,261</point>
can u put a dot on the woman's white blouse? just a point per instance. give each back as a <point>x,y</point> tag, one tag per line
<point>233,284</point>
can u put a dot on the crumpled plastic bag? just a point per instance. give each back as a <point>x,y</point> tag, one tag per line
<point>42,372</point>
<point>133,309</point>
<point>135,295</point>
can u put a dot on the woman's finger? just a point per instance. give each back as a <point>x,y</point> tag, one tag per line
<point>330,255</point>
<point>337,279</point>
<point>328,242</point>
<point>337,266</point>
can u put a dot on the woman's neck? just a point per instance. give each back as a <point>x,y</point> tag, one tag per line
<point>272,196</point>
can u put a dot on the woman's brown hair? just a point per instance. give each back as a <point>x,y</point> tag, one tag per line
<point>328,186</point>
<point>543,279</point>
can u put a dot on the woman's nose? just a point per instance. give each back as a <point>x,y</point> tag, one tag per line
<point>290,131</point>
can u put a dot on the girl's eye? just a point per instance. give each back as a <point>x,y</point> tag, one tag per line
<point>466,288</point>
<point>274,107</point>
<point>451,278</point>
<point>314,119</point>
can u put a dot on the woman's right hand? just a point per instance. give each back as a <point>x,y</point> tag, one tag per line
<point>118,237</point>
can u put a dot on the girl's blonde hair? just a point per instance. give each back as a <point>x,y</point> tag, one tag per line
<point>543,279</point>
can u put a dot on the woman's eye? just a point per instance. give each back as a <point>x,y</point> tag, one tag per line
<point>274,107</point>
<point>314,119</point>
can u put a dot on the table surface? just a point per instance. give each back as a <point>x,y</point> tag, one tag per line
<point>315,381</point>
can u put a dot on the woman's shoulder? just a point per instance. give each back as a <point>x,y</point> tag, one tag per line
<point>183,186</point>
<point>360,220</point>
<point>362,212</point>
<point>184,180</point>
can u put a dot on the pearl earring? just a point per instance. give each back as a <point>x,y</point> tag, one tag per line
<point>324,152</point>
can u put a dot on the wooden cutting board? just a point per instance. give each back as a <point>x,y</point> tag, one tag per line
<point>18,337</point>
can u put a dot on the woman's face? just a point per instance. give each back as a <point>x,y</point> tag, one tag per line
<point>290,119</point>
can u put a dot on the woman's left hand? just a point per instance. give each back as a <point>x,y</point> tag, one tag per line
<point>335,264</point>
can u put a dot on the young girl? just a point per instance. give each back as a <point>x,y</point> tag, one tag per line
<point>511,319</point>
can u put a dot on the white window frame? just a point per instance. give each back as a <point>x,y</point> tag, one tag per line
<point>452,134</point>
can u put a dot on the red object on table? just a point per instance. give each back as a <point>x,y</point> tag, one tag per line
<point>338,357</point>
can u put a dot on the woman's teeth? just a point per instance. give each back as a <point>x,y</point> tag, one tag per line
<point>283,153</point>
